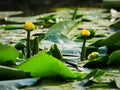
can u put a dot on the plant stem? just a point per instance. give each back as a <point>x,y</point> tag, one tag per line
<point>83,53</point>
<point>74,14</point>
<point>23,52</point>
<point>28,44</point>
<point>35,47</point>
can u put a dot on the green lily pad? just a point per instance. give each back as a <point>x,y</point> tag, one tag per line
<point>115,26</point>
<point>88,79</point>
<point>8,73</point>
<point>112,40</point>
<point>99,62</point>
<point>100,35</point>
<point>8,54</point>
<point>92,34</point>
<point>11,27</point>
<point>60,29</point>
<point>43,65</point>
<point>114,58</point>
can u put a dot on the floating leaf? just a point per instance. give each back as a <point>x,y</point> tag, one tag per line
<point>46,18</point>
<point>11,27</point>
<point>111,49</point>
<point>92,34</point>
<point>97,43</point>
<point>91,76</point>
<point>58,34</point>
<point>43,65</point>
<point>112,40</point>
<point>115,26</point>
<point>114,58</point>
<point>117,82</point>
<point>8,54</point>
<point>61,28</point>
<point>86,19</point>
<point>99,62</point>
<point>94,74</point>
<point>7,73</point>
<point>100,35</point>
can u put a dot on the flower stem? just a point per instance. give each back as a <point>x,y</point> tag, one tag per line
<point>83,53</point>
<point>28,44</point>
<point>23,52</point>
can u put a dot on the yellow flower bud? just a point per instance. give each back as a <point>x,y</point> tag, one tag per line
<point>85,33</point>
<point>29,26</point>
<point>93,55</point>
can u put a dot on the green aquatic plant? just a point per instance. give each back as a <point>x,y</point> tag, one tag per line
<point>29,26</point>
<point>85,33</point>
<point>44,65</point>
<point>8,55</point>
<point>55,52</point>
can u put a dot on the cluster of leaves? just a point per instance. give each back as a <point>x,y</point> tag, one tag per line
<point>112,56</point>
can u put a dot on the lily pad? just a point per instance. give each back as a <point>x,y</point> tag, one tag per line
<point>11,27</point>
<point>115,26</point>
<point>92,34</point>
<point>8,54</point>
<point>8,73</point>
<point>114,58</point>
<point>99,62</point>
<point>109,41</point>
<point>88,79</point>
<point>43,65</point>
<point>63,28</point>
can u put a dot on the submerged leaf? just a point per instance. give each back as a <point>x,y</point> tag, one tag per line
<point>43,65</point>
<point>18,83</point>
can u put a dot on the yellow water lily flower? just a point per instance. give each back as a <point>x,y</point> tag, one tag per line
<point>85,33</point>
<point>93,55</point>
<point>29,26</point>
